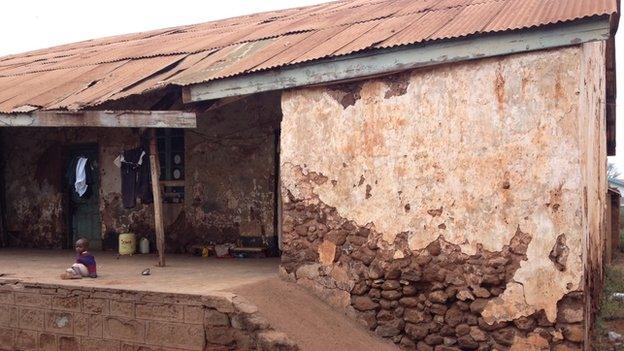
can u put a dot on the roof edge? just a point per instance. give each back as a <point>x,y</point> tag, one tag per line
<point>387,61</point>
<point>96,118</point>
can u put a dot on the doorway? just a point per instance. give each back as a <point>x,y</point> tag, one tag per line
<point>84,210</point>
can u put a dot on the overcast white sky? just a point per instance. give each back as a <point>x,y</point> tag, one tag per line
<point>34,24</point>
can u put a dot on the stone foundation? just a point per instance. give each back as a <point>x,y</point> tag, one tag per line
<point>51,318</point>
<point>432,298</point>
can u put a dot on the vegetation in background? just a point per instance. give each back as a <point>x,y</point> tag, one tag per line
<point>611,308</point>
<point>611,314</point>
<point>612,171</point>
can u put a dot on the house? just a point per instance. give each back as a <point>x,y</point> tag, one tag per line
<point>616,184</point>
<point>434,169</point>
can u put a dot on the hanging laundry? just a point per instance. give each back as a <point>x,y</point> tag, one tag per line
<point>134,176</point>
<point>79,178</point>
<point>80,185</point>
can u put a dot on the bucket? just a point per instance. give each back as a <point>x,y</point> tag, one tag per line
<point>127,244</point>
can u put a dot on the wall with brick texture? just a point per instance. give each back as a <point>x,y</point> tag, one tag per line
<point>57,318</point>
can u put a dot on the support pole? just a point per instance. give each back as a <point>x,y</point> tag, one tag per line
<point>3,224</point>
<point>158,213</point>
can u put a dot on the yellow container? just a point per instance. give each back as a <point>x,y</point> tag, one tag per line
<point>127,244</point>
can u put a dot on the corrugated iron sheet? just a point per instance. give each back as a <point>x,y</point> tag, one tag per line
<point>85,74</point>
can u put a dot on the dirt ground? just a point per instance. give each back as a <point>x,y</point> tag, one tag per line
<point>307,320</point>
<point>183,274</point>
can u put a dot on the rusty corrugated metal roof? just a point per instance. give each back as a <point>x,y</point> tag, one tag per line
<point>86,74</point>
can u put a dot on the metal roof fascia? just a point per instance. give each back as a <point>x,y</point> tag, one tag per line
<point>387,61</point>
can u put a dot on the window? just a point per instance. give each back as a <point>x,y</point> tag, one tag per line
<point>171,156</point>
<point>171,153</point>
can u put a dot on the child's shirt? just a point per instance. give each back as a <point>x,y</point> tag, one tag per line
<point>89,261</point>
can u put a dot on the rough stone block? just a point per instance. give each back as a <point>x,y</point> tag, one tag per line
<point>273,340</point>
<point>222,303</point>
<point>6,297</point>
<point>47,342</point>
<point>81,324</point>
<point>59,322</point>
<point>193,314</point>
<point>227,337</point>
<point>244,306</point>
<point>215,318</point>
<point>7,338</point>
<point>92,344</point>
<point>176,335</point>
<point>26,340</point>
<point>122,309</point>
<point>69,343</point>
<point>108,295</point>
<point>567,347</point>
<point>95,306</point>
<point>574,332</point>
<point>249,322</point>
<point>95,326</point>
<point>164,312</point>
<point>570,313</point>
<point>8,316</point>
<point>66,303</point>
<point>118,328</point>
<point>31,319</point>
<point>32,300</point>
<point>125,346</point>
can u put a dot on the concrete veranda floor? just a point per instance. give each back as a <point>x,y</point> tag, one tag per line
<point>306,319</point>
<point>184,274</point>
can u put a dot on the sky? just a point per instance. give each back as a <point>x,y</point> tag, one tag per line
<point>35,24</point>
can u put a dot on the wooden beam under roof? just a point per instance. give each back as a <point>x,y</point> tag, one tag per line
<point>109,119</point>
<point>387,61</point>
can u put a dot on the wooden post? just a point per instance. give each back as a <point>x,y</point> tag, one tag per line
<point>158,213</point>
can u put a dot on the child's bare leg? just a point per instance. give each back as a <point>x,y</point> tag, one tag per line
<point>70,274</point>
<point>76,271</point>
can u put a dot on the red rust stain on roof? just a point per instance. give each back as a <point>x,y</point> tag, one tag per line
<point>262,41</point>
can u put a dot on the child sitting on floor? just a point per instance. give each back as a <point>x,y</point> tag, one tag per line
<point>85,263</point>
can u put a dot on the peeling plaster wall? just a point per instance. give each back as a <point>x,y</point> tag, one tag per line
<point>593,160</point>
<point>468,154</point>
<point>229,180</point>
<point>36,193</point>
<point>230,174</point>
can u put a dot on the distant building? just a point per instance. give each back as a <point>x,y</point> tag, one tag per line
<point>617,184</point>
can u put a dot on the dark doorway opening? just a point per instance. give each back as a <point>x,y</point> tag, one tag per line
<point>84,211</point>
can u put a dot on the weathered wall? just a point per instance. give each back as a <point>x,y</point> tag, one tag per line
<point>230,174</point>
<point>62,318</point>
<point>593,160</point>
<point>443,205</point>
<point>229,180</point>
<point>36,160</point>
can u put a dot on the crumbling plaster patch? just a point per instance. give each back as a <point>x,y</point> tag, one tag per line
<point>230,172</point>
<point>36,161</point>
<point>470,152</point>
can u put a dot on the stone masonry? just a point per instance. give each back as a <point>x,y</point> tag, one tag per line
<point>429,299</point>
<point>57,318</point>
<point>447,208</point>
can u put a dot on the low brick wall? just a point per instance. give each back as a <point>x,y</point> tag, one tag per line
<point>48,317</point>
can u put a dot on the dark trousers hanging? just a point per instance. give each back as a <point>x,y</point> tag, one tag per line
<point>135,178</point>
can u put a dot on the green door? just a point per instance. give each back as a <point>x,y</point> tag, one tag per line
<point>85,212</point>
